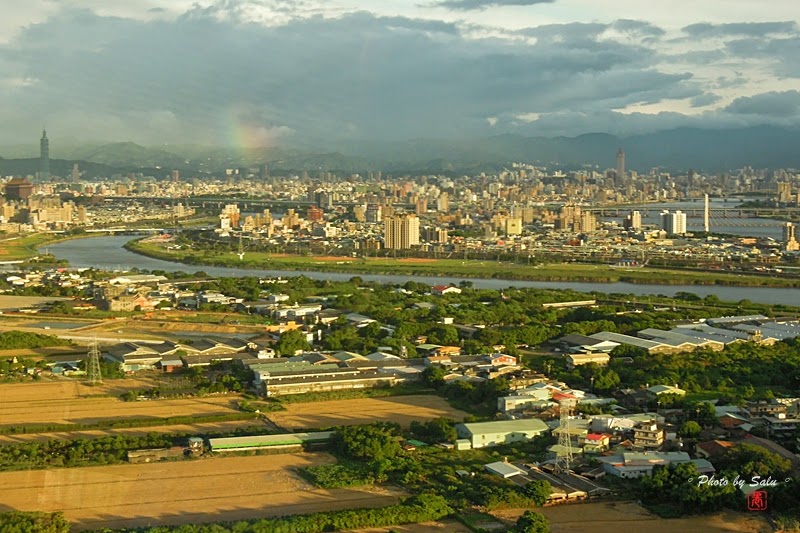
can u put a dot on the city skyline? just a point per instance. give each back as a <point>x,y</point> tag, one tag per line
<point>283,72</point>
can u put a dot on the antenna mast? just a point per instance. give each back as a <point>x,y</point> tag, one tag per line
<point>564,455</point>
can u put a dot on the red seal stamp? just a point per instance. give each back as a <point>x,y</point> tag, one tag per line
<point>757,500</point>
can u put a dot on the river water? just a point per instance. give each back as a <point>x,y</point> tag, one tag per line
<point>748,226</point>
<point>108,253</point>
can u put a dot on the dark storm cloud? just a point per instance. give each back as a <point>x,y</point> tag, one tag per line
<point>755,29</point>
<point>471,5</point>
<point>705,99</point>
<point>355,76</point>
<point>782,54</point>
<point>638,27</point>
<point>771,104</point>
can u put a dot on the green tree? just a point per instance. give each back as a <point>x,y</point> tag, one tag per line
<point>436,430</point>
<point>373,442</point>
<point>433,376</point>
<point>690,429</point>
<point>291,342</point>
<point>532,522</point>
<point>749,460</point>
<point>538,490</point>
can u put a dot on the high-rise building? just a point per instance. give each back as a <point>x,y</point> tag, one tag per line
<point>620,164</point>
<point>76,172</point>
<point>443,203</point>
<point>400,232</point>
<point>706,216</point>
<point>18,189</point>
<point>633,221</point>
<point>315,214</point>
<point>44,156</point>
<point>229,217</point>
<point>784,192</point>
<point>673,223</point>
<point>573,218</point>
<point>789,238</point>
<point>435,234</point>
<point>513,226</point>
<point>175,175</point>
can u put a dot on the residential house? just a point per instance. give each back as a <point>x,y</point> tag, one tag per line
<point>712,448</point>
<point>595,442</point>
<point>635,465</point>
<point>659,390</point>
<point>441,290</point>
<point>648,435</point>
<point>501,359</point>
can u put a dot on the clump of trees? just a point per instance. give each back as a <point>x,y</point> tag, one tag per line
<point>532,522</point>
<point>748,460</point>
<point>17,340</point>
<point>473,396</point>
<point>77,452</point>
<point>291,342</point>
<point>675,491</point>
<point>421,508</point>
<point>33,522</point>
<point>435,431</point>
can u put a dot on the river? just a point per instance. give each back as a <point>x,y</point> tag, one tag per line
<point>749,226</point>
<point>108,253</point>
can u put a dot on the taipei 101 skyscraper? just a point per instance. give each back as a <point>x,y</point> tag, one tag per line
<point>44,157</point>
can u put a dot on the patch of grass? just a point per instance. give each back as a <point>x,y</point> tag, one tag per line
<point>702,396</point>
<point>381,392</point>
<point>477,521</point>
<point>463,268</point>
<point>344,473</point>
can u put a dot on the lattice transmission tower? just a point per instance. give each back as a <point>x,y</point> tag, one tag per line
<point>93,374</point>
<point>564,454</point>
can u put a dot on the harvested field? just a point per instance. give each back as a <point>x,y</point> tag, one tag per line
<point>219,489</point>
<point>615,517</point>
<point>69,402</point>
<point>15,302</point>
<point>400,409</point>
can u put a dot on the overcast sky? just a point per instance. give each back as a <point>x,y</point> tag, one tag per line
<point>261,72</point>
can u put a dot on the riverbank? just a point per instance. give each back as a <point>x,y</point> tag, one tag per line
<point>566,272</point>
<point>24,247</point>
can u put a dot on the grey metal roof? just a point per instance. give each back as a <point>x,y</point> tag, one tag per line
<point>627,339</point>
<point>735,319</point>
<point>506,426</point>
<point>674,339</point>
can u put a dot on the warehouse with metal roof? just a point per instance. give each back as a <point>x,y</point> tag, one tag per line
<point>649,345</point>
<point>257,442</point>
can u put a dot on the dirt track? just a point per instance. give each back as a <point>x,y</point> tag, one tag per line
<point>230,488</point>
<point>67,402</point>
<point>616,517</point>
<point>400,409</point>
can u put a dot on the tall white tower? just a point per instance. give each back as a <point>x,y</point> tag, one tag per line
<point>706,217</point>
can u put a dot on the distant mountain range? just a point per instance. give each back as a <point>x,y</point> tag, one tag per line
<point>675,150</point>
